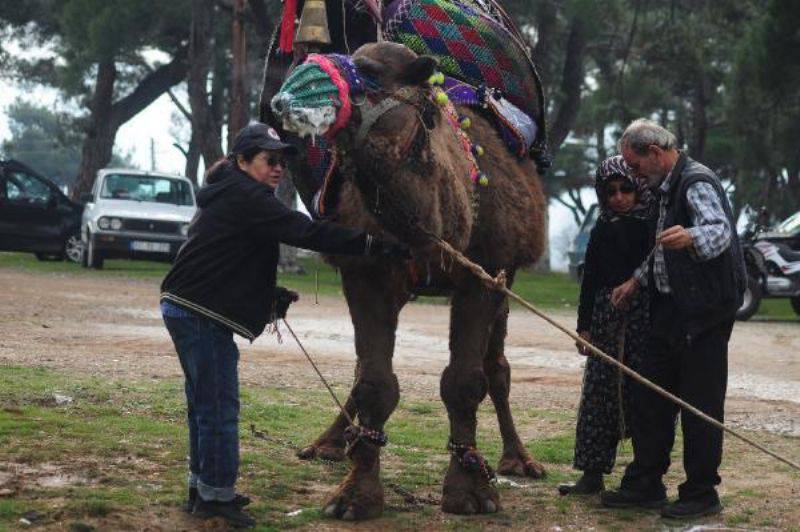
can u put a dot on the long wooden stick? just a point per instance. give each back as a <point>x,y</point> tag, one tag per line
<point>499,285</point>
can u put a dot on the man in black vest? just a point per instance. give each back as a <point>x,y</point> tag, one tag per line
<point>696,277</point>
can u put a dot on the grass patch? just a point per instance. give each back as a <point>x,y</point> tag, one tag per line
<point>123,445</point>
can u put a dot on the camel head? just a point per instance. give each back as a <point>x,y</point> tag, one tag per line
<point>396,134</point>
<point>325,94</point>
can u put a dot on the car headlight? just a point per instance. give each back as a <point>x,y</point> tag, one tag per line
<point>185,229</point>
<point>103,222</point>
<point>116,224</point>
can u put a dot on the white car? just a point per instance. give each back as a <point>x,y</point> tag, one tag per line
<point>136,215</point>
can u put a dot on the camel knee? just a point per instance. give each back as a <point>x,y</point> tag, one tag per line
<point>498,373</point>
<point>375,399</point>
<point>463,390</point>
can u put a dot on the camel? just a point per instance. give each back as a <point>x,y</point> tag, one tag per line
<point>409,178</point>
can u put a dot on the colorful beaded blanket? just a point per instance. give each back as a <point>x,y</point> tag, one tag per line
<point>470,45</point>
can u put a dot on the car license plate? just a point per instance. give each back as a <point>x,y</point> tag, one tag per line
<point>157,247</point>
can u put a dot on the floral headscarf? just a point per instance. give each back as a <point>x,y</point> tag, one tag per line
<point>615,167</point>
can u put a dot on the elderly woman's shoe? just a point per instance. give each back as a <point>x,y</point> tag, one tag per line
<point>591,482</point>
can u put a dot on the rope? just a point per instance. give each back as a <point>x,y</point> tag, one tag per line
<point>325,382</point>
<point>499,285</point>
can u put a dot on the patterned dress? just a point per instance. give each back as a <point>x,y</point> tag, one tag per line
<point>604,412</point>
<point>618,244</point>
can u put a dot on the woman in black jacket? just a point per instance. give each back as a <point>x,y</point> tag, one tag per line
<point>223,282</point>
<point>619,242</point>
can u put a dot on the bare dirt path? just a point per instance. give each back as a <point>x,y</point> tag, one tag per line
<point>112,326</point>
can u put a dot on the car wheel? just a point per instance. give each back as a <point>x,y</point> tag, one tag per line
<point>796,305</point>
<point>751,300</point>
<point>73,248</point>
<point>91,257</point>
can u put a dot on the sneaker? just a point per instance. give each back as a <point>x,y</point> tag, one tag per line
<point>230,511</point>
<point>695,508</point>
<point>589,484</point>
<point>239,500</point>
<point>623,498</point>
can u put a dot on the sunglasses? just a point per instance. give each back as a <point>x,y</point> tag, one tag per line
<point>625,188</point>
<point>275,161</point>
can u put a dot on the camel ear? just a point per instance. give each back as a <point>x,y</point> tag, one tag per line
<point>420,70</point>
<point>368,67</point>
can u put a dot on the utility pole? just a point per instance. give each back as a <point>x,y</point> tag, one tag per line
<point>239,107</point>
<point>152,155</point>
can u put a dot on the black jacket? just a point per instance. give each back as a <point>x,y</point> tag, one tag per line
<point>226,270</point>
<point>709,292</point>
<point>616,248</point>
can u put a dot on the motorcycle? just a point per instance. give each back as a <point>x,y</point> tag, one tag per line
<point>773,267</point>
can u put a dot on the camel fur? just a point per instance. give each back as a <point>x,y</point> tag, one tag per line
<point>410,179</point>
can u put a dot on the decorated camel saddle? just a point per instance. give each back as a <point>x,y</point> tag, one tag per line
<point>483,64</point>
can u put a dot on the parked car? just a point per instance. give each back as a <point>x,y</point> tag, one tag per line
<point>136,215</point>
<point>577,249</point>
<point>35,216</point>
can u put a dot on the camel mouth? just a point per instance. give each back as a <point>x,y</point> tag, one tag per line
<point>304,121</point>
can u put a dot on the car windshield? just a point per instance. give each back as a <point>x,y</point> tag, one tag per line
<point>790,225</point>
<point>147,188</point>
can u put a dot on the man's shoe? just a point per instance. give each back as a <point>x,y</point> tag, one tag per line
<point>623,498</point>
<point>589,484</point>
<point>239,500</point>
<point>688,509</point>
<point>230,511</point>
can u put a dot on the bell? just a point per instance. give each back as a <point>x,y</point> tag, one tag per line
<point>313,27</point>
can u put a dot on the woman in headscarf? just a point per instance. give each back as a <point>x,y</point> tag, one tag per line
<point>619,242</point>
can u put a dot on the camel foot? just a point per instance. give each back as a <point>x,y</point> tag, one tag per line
<point>324,450</point>
<point>468,492</point>
<point>359,497</point>
<point>520,464</point>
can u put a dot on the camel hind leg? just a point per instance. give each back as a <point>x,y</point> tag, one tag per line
<point>515,460</point>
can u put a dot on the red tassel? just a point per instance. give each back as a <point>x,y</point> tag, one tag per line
<point>287,25</point>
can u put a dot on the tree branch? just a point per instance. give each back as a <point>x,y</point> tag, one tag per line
<point>150,88</point>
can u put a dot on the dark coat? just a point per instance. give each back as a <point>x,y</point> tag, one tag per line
<point>226,271</point>
<point>617,246</point>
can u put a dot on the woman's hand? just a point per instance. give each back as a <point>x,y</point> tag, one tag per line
<point>621,295</point>
<point>582,349</point>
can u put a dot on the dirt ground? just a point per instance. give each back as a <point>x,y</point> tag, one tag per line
<point>111,326</point>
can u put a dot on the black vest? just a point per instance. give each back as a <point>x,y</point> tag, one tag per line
<point>709,292</point>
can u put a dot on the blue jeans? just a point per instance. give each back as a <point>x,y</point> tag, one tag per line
<point>209,358</point>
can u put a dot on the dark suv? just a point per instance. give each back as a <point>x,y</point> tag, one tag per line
<point>36,217</point>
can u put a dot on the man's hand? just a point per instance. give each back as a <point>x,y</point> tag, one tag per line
<point>676,237</point>
<point>621,295</point>
<point>583,350</point>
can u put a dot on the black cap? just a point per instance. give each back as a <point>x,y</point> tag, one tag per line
<point>258,135</point>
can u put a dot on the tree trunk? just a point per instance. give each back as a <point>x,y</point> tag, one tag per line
<point>287,194</point>
<point>700,102</point>
<point>192,159</point>
<point>569,101</point>
<point>239,108</point>
<point>205,128</point>
<point>107,117</point>
<point>98,145</point>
